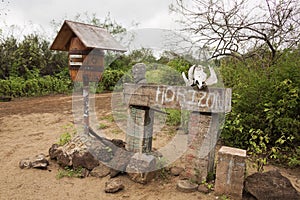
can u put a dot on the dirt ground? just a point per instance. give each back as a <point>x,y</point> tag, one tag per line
<point>29,126</point>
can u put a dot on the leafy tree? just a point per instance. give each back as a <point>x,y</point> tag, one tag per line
<point>29,58</point>
<point>7,66</point>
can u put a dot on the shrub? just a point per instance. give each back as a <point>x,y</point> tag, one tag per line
<point>265,116</point>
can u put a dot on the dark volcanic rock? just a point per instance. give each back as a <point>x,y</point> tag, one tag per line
<point>40,161</point>
<point>100,171</point>
<point>84,173</point>
<point>63,159</point>
<point>54,151</point>
<point>268,186</point>
<point>85,160</point>
<point>120,160</point>
<point>119,143</point>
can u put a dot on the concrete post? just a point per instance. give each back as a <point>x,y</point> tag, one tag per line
<point>230,172</point>
<point>139,129</point>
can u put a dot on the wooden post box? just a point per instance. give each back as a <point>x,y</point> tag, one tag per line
<point>85,45</point>
<point>85,61</point>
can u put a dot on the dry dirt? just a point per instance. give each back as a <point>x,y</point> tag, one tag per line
<point>29,126</point>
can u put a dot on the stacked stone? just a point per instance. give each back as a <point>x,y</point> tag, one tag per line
<point>140,129</point>
<point>196,157</point>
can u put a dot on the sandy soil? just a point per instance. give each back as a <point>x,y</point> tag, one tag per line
<point>29,126</point>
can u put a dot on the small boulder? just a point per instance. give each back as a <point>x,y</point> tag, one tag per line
<point>100,171</point>
<point>203,189</point>
<point>54,151</point>
<point>269,185</point>
<point>176,171</point>
<point>85,160</point>
<point>186,186</point>
<point>120,160</point>
<point>63,159</point>
<point>84,173</point>
<point>119,143</point>
<point>25,163</point>
<point>113,173</point>
<point>39,162</point>
<point>113,186</point>
<point>141,168</point>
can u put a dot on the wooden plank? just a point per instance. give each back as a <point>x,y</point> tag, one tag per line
<point>74,56</point>
<point>212,100</point>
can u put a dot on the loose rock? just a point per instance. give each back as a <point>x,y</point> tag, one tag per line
<point>176,171</point>
<point>186,186</point>
<point>141,168</point>
<point>114,173</point>
<point>63,159</point>
<point>100,171</point>
<point>39,162</point>
<point>202,188</point>
<point>84,173</point>
<point>120,160</point>
<point>269,185</point>
<point>113,186</point>
<point>85,160</point>
<point>54,151</point>
<point>119,143</point>
<point>25,163</point>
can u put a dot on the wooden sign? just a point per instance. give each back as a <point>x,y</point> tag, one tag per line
<point>212,100</point>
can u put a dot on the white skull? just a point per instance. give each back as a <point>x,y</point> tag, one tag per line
<point>196,76</point>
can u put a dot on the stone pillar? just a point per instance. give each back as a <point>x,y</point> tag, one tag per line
<point>230,172</point>
<point>139,129</point>
<point>197,159</point>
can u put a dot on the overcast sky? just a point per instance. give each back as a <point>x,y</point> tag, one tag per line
<point>36,14</point>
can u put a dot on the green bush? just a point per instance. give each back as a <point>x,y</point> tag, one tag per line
<point>110,78</point>
<point>265,116</point>
<point>19,87</point>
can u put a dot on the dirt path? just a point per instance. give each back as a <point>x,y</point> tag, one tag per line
<point>30,126</point>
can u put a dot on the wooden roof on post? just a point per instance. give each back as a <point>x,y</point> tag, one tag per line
<point>91,36</point>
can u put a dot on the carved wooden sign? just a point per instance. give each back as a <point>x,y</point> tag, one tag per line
<point>211,100</point>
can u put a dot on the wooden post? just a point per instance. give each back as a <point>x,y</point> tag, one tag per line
<point>85,93</point>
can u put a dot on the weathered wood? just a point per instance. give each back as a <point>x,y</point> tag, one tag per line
<point>212,100</point>
<point>91,36</point>
<point>84,61</point>
<point>86,103</point>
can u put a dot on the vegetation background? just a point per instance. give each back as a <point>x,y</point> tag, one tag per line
<point>265,116</point>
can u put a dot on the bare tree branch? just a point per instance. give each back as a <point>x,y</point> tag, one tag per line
<point>238,27</point>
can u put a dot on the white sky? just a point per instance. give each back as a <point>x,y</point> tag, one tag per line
<point>36,15</point>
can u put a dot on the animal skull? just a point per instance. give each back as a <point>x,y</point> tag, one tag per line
<point>196,76</point>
